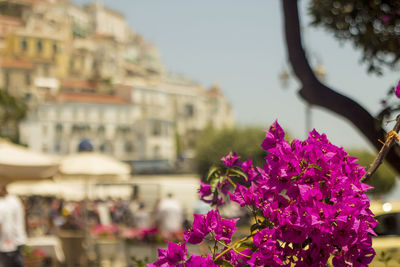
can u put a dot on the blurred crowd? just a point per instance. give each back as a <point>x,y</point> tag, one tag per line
<point>48,215</point>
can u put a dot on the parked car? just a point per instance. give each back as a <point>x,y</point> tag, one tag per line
<point>387,243</point>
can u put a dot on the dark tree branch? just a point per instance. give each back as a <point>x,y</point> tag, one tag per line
<point>389,142</point>
<point>316,93</point>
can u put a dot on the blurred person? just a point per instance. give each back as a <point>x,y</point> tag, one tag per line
<point>104,213</point>
<point>135,204</point>
<point>141,218</point>
<point>12,229</point>
<point>170,216</point>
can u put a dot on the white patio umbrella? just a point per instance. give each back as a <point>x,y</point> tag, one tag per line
<point>77,172</point>
<point>92,167</point>
<point>92,164</point>
<point>18,163</point>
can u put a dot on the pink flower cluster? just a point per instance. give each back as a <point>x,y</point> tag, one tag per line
<point>397,90</point>
<point>308,203</point>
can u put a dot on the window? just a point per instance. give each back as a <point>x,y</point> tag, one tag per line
<point>39,46</point>
<point>189,110</point>
<point>129,147</point>
<point>106,147</point>
<point>57,146</point>
<point>71,65</point>
<point>55,50</point>
<point>6,80</point>
<point>44,130</point>
<point>157,128</point>
<point>24,45</point>
<point>59,128</point>
<point>46,70</point>
<point>74,114</point>
<point>101,115</point>
<point>27,78</point>
<point>58,114</point>
<point>156,152</point>
<point>101,130</point>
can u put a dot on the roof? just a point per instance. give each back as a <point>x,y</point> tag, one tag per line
<point>10,20</point>
<point>105,8</point>
<point>214,91</point>
<point>90,98</point>
<point>104,36</point>
<point>21,2</point>
<point>114,12</point>
<point>78,84</point>
<point>16,64</point>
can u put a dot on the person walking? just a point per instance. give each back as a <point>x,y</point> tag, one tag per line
<point>170,217</point>
<point>12,229</point>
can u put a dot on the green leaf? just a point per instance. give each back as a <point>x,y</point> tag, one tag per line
<point>140,262</point>
<point>255,227</point>
<point>211,172</point>
<point>295,178</point>
<point>221,262</point>
<point>226,264</point>
<point>214,183</point>
<point>245,244</point>
<point>315,166</point>
<point>240,173</point>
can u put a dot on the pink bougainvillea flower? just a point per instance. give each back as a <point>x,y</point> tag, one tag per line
<point>273,136</point>
<point>230,159</point>
<point>205,190</point>
<point>196,234</point>
<point>397,90</point>
<point>171,256</point>
<point>199,261</point>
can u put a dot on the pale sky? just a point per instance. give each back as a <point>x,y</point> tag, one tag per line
<point>240,45</point>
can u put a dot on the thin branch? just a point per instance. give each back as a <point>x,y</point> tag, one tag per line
<point>226,246</point>
<point>391,139</point>
<point>230,180</point>
<point>231,247</point>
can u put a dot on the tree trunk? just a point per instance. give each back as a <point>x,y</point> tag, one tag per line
<point>316,93</point>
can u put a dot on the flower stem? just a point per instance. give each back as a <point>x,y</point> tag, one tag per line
<point>391,139</point>
<point>225,245</point>
<point>230,180</point>
<point>231,247</point>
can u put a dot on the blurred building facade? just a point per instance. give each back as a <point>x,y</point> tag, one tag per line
<point>87,75</point>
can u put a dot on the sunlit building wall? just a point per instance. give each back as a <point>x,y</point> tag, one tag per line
<point>110,124</point>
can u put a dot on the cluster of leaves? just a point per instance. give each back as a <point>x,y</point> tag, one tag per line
<point>372,25</point>
<point>308,204</point>
<point>12,111</point>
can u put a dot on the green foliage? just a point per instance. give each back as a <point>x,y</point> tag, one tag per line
<point>372,26</point>
<point>12,111</point>
<point>215,144</point>
<point>384,179</point>
<point>140,262</point>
